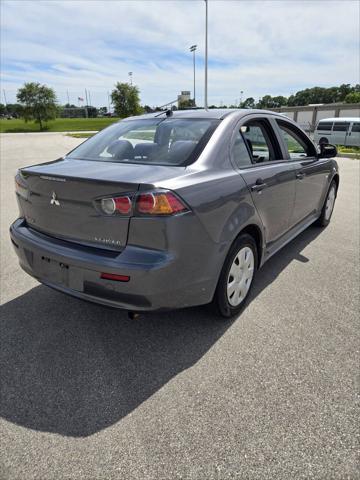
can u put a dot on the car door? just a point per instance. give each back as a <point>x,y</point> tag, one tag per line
<point>311,173</point>
<point>340,132</point>
<point>269,177</point>
<point>353,138</point>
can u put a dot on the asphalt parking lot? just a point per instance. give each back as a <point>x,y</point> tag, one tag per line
<point>89,394</point>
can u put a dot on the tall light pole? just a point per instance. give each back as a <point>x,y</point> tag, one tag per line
<point>206,55</point>
<point>108,94</point>
<point>130,77</point>
<point>193,49</point>
<point>5,97</point>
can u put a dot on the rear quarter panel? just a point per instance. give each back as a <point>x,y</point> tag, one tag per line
<point>221,206</point>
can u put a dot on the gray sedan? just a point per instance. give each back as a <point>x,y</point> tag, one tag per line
<point>172,209</point>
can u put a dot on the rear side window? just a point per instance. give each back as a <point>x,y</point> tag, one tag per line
<point>356,127</point>
<point>341,126</point>
<point>324,126</point>
<point>240,154</point>
<point>298,145</point>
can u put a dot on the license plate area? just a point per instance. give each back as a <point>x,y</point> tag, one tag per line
<point>52,270</point>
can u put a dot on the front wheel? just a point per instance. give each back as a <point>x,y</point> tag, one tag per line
<point>236,277</point>
<point>328,206</point>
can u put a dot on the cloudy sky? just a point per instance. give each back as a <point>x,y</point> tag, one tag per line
<point>258,47</point>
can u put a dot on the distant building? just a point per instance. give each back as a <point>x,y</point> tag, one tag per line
<point>308,116</point>
<point>184,97</point>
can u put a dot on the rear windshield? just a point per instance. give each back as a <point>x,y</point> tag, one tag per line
<point>159,141</point>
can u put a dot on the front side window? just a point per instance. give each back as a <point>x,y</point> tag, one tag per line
<point>158,141</point>
<point>296,142</point>
<point>258,142</point>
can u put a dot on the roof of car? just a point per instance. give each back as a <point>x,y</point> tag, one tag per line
<point>216,113</point>
<point>341,119</point>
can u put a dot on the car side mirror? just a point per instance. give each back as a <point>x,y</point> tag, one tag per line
<point>326,150</point>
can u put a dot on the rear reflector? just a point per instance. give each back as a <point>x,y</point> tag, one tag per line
<point>117,278</point>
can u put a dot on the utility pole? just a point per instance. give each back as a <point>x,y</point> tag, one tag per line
<point>86,110</point>
<point>67,93</point>
<point>4,96</point>
<point>193,49</point>
<point>5,99</point>
<point>206,56</point>
<point>108,101</point>
<point>130,77</point>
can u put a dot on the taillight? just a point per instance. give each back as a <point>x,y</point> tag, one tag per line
<point>158,202</point>
<point>21,189</point>
<point>121,205</point>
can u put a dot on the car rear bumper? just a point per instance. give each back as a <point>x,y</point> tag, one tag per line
<point>156,277</point>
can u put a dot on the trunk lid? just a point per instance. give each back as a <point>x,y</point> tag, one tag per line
<point>62,193</point>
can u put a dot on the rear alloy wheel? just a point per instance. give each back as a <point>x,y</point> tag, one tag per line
<point>240,276</point>
<point>236,277</point>
<point>328,207</point>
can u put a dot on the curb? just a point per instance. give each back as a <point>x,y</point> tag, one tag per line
<point>348,155</point>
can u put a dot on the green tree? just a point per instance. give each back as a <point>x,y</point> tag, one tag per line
<point>248,103</point>
<point>92,112</point>
<point>344,90</point>
<point>102,110</point>
<point>126,100</point>
<point>14,109</point>
<point>279,101</point>
<point>38,101</point>
<point>272,102</point>
<point>322,95</point>
<point>186,104</point>
<point>353,97</point>
<point>2,109</point>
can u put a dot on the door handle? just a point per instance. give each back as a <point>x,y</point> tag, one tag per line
<point>259,185</point>
<point>300,175</point>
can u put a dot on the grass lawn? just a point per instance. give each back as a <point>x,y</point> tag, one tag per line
<point>58,125</point>
<point>344,149</point>
<point>354,151</point>
<point>80,135</point>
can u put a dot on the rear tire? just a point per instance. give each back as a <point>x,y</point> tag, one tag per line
<point>237,276</point>
<point>328,207</point>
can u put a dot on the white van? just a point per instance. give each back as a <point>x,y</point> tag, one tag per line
<point>338,131</point>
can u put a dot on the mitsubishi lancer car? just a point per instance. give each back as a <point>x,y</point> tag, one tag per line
<point>172,209</point>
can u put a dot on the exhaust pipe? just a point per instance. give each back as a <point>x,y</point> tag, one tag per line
<point>133,315</point>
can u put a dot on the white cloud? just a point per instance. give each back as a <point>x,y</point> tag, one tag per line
<point>259,47</point>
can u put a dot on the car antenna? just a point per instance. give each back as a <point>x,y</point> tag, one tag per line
<point>167,112</point>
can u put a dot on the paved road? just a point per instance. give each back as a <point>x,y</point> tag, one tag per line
<point>89,394</point>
